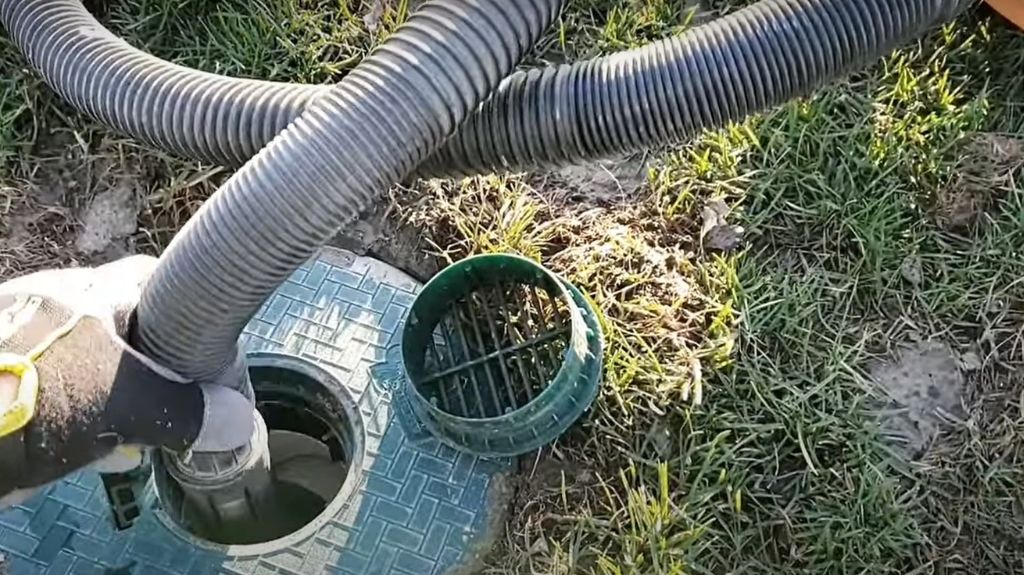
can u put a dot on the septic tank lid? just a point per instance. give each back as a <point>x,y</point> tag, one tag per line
<point>502,356</point>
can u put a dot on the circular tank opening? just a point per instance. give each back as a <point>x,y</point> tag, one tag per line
<point>315,441</point>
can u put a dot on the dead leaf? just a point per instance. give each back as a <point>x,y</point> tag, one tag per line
<point>716,233</point>
<point>660,437</point>
<point>724,238</point>
<point>720,207</point>
<point>713,215</point>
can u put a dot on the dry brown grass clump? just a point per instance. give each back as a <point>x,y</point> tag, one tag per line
<point>984,172</point>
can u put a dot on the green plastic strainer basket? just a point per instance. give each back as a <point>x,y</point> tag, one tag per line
<point>502,356</point>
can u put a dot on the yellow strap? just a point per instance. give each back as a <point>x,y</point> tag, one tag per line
<point>21,412</point>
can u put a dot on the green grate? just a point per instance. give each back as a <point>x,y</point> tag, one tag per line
<point>502,355</point>
<point>496,350</point>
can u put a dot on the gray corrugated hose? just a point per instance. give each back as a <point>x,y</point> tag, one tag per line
<point>664,92</point>
<point>331,163</point>
<point>668,91</point>
<point>195,114</point>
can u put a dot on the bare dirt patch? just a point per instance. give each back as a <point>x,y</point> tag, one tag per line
<point>110,218</point>
<point>78,199</point>
<point>545,488</point>
<point>925,388</point>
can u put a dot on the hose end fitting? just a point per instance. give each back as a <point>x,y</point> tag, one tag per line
<point>226,491</point>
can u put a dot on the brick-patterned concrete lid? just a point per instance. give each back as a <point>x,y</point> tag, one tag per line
<point>417,507</point>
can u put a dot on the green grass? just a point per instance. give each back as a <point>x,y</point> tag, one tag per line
<point>780,468</point>
<point>736,431</point>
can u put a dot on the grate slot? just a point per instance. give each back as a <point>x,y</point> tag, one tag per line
<point>552,366</point>
<point>440,367</point>
<point>517,336</point>
<point>446,334</point>
<point>501,351</point>
<point>531,322</point>
<point>472,372</point>
<point>467,309</point>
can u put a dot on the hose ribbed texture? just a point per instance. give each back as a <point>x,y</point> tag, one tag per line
<point>668,91</point>
<point>664,92</point>
<point>341,154</point>
<point>195,114</point>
